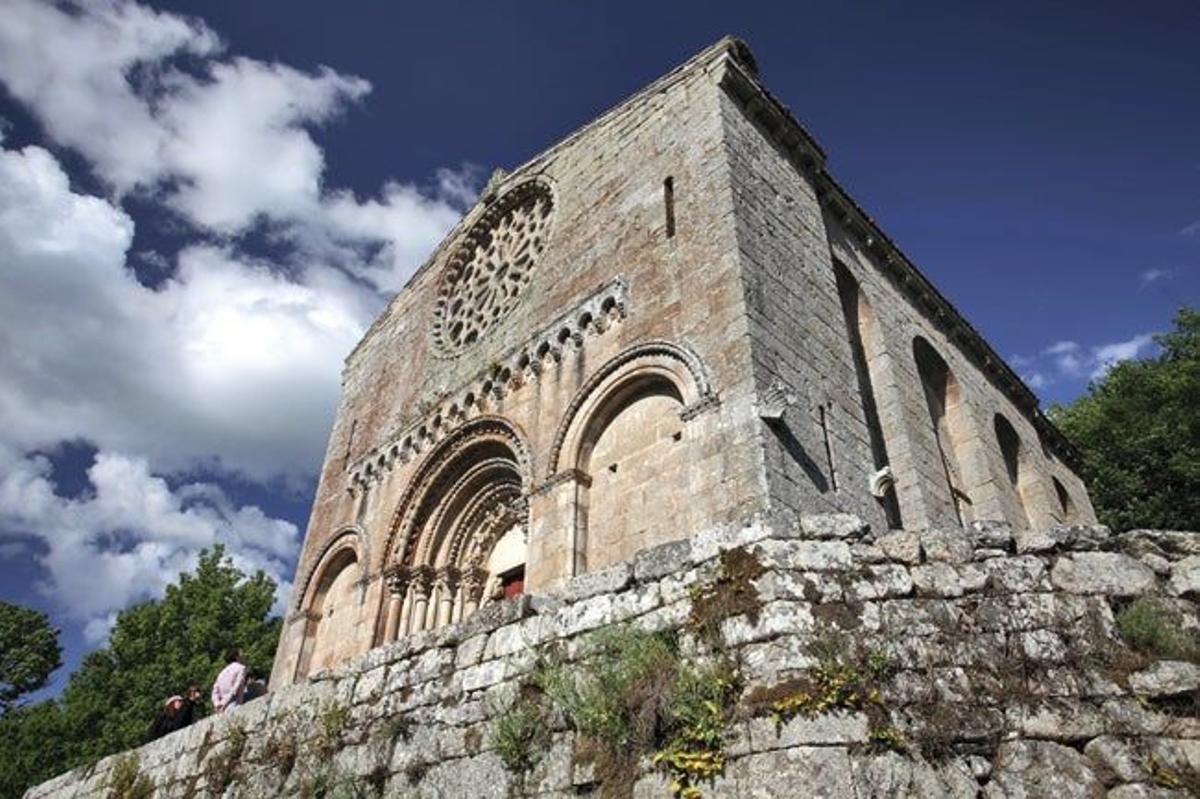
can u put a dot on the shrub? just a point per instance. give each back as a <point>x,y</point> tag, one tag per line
<point>1156,630</point>
<point>635,697</point>
<point>126,781</point>
<point>333,720</point>
<point>520,734</point>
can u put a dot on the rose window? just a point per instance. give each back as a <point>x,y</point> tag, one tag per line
<point>485,275</point>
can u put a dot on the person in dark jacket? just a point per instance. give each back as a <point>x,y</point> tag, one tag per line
<point>176,713</point>
<point>169,717</point>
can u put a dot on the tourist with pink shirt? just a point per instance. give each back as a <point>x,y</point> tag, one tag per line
<point>230,686</point>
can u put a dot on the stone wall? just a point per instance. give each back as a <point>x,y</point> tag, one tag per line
<point>1002,672</point>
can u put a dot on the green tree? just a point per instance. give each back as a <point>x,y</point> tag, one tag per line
<point>33,747</point>
<point>156,649</point>
<point>29,652</point>
<point>1138,428</point>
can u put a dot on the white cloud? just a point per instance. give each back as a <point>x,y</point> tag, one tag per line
<point>131,536</point>
<point>226,144</point>
<point>1149,276</point>
<point>1067,357</point>
<point>227,364</point>
<point>72,66</point>
<point>1036,381</point>
<point>1106,356</point>
<point>1070,361</point>
<point>1191,230</point>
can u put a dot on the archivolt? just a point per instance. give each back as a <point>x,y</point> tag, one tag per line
<point>478,443</point>
<point>673,361</point>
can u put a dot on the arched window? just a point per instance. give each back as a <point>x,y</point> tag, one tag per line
<point>636,457</point>
<point>943,398</point>
<point>866,348</point>
<point>1014,456</point>
<point>1066,505</point>
<point>334,614</point>
<point>624,455</point>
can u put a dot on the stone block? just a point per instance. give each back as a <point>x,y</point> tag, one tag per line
<point>1108,573</point>
<point>1022,574</point>
<point>947,546</point>
<point>833,525</point>
<point>879,582</point>
<point>607,580</point>
<point>710,542</point>
<point>1166,678</point>
<point>827,729</point>
<point>947,580</point>
<point>901,546</point>
<point>804,555</point>
<point>815,771</point>
<point>1171,544</point>
<point>1185,577</point>
<point>1030,769</point>
<point>659,561</point>
<point>992,534</point>
<point>1114,759</point>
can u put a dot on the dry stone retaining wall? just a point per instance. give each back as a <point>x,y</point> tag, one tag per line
<point>1006,677</point>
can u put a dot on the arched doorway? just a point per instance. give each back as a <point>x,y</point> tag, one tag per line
<point>461,536</point>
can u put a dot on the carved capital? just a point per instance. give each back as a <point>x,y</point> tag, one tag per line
<point>447,579</point>
<point>422,580</point>
<point>473,581</point>
<point>398,580</point>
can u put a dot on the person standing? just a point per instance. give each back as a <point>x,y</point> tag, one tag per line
<point>230,686</point>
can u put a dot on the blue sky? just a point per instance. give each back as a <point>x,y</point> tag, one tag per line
<point>202,205</point>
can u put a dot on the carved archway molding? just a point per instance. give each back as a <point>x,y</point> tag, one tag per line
<point>648,359</point>
<point>425,494</point>
<point>350,537</point>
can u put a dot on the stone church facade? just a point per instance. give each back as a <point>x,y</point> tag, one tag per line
<point>673,319</point>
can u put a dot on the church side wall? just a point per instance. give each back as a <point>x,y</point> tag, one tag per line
<point>993,496</point>
<point>818,456</point>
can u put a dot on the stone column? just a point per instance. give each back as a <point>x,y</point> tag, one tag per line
<point>397,583</point>
<point>447,580</point>
<point>473,581</point>
<point>422,583</point>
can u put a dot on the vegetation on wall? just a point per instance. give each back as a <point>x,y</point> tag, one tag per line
<point>156,649</point>
<point>1138,429</point>
<point>635,696</point>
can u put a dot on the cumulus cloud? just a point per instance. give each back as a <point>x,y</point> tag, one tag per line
<point>1071,361</point>
<point>1068,357</point>
<point>1107,356</point>
<point>228,364</point>
<point>131,535</point>
<point>157,107</point>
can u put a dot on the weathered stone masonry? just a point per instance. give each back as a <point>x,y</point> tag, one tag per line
<point>1006,663</point>
<point>673,319</point>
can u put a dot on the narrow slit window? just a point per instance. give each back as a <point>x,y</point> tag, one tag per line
<point>669,205</point>
<point>824,419</point>
<point>349,443</point>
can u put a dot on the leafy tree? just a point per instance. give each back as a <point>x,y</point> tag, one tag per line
<point>1138,429</point>
<point>33,747</point>
<point>29,651</point>
<point>156,649</point>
